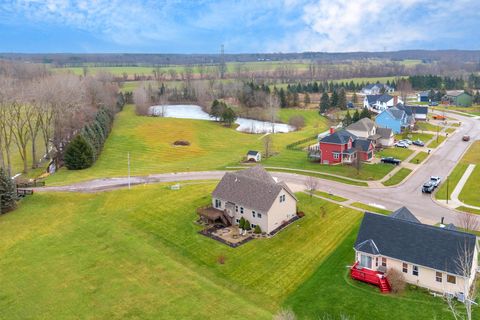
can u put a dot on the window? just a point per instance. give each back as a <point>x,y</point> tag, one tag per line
<point>253,214</point>
<point>451,279</point>
<point>438,276</point>
<point>253,226</point>
<point>405,268</point>
<point>237,220</point>
<point>236,208</point>
<point>259,215</point>
<point>365,261</point>
<point>376,262</point>
<point>218,203</point>
<point>241,210</point>
<point>384,262</point>
<point>282,198</point>
<point>415,270</point>
<point>336,155</point>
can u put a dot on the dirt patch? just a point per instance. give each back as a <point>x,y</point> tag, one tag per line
<point>181,143</point>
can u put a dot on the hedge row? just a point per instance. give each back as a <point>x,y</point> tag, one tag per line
<point>294,145</point>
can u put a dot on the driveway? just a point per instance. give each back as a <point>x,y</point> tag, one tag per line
<point>441,163</point>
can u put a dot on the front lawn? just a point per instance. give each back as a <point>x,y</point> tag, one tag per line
<point>398,177</point>
<point>427,126</point>
<point>369,208</point>
<point>469,194</point>
<point>330,196</point>
<point>419,157</point>
<point>436,142</point>
<point>425,137</point>
<point>398,153</point>
<point>137,254</point>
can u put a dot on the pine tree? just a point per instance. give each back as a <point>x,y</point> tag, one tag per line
<point>247,226</point>
<point>8,192</point>
<point>296,99</point>
<point>324,103</point>
<point>79,154</point>
<point>282,98</point>
<point>347,120</point>
<point>356,116</point>
<point>241,223</point>
<point>342,99</point>
<point>228,116</point>
<point>306,100</point>
<point>334,99</point>
<point>354,97</point>
<point>365,114</point>
<point>216,110</point>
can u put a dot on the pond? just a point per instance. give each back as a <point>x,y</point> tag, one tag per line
<point>196,113</point>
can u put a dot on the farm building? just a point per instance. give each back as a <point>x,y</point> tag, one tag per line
<point>458,98</point>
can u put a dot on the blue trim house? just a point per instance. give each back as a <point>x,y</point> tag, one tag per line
<point>395,119</point>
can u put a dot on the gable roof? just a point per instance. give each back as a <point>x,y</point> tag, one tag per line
<point>252,153</point>
<point>395,113</point>
<point>362,144</point>
<point>455,93</point>
<point>404,214</point>
<point>339,137</point>
<point>416,243</point>
<point>420,109</point>
<point>364,124</point>
<point>253,188</point>
<point>385,133</point>
<point>373,85</point>
<point>373,98</point>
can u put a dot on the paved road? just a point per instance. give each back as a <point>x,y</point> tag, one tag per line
<point>441,162</point>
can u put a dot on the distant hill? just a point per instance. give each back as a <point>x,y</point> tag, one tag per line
<point>133,59</point>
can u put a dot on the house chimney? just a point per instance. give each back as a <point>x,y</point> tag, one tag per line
<point>332,130</point>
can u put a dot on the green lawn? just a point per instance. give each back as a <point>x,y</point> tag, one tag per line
<point>425,137</point>
<point>436,142</point>
<point>330,294</point>
<point>93,256</point>
<point>398,153</point>
<point>453,179</point>
<point>370,208</point>
<point>469,210</point>
<point>398,177</point>
<point>150,141</point>
<point>419,158</point>
<point>427,126</point>
<point>450,130</point>
<point>323,176</point>
<point>469,194</point>
<point>330,196</point>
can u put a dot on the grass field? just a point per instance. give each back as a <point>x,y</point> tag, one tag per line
<point>330,196</point>
<point>398,177</point>
<point>369,208</point>
<point>92,256</point>
<point>398,153</point>
<point>323,176</point>
<point>419,158</point>
<point>150,144</point>
<point>425,137</point>
<point>436,142</point>
<point>427,126</point>
<point>472,156</point>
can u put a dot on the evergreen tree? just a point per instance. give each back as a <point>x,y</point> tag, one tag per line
<point>247,225</point>
<point>431,95</point>
<point>354,97</point>
<point>365,114</point>
<point>342,99</point>
<point>334,99</point>
<point>217,109</point>
<point>241,223</point>
<point>283,99</point>
<point>257,229</point>
<point>324,103</point>
<point>476,98</point>
<point>8,192</point>
<point>356,116</point>
<point>306,100</point>
<point>79,154</point>
<point>347,120</point>
<point>296,99</point>
<point>228,116</point>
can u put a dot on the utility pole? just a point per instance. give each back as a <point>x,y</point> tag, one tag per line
<point>448,177</point>
<point>128,159</point>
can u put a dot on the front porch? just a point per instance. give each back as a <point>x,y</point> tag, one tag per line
<point>376,278</point>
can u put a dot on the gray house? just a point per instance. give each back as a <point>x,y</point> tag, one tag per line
<point>256,196</point>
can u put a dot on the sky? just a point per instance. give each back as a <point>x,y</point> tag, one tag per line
<point>243,26</point>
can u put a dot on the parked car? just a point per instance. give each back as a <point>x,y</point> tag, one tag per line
<point>433,103</point>
<point>419,143</point>
<point>435,180</point>
<point>391,160</point>
<point>408,141</point>
<point>466,138</point>
<point>401,144</point>
<point>428,187</point>
<point>439,117</point>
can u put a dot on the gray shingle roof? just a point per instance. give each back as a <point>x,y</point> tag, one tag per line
<point>404,214</point>
<point>252,153</point>
<point>420,110</point>
<point>416,243</point>
<point>396,113</point>
<point>362,144</point>
<point>385,133</point>
<point>363,124</point>
<point>339,137</point>
<point>253,188</point>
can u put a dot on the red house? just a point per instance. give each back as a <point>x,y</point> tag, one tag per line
<point>344,147</point>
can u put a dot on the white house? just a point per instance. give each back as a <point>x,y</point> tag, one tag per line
<point>254,156</point>
<point>427,256</point>
<point>377,88</point>
<point>254,195</point>
<point>379,102</point>
<point>366,128</point>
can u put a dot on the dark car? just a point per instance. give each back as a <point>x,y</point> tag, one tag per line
<point>418,143</point>
<point>433,104</point>
<point>466,138</point>
<point>391,160</point>
<point>428,187</point>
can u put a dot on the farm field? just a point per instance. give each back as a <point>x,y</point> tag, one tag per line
<point>150,144</point>
<point>90,255</point>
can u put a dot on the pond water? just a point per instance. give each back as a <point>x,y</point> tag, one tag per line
<point>196,113</point>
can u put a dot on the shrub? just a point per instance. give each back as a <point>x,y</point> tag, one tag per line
<point>247,225</point>
<point>79,154</point>
<point>301,214</point>
<point>396,280</point>
<point>241,223</point>
<point>257,229</point>
<point>297,122</point>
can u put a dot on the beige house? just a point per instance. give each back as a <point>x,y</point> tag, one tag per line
<point>257,197</point>
<point>367,129</point>
<point>440,259</point>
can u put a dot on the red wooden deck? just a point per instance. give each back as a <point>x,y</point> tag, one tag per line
<point>370,276</point>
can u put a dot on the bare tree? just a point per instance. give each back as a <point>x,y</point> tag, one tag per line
<point>20,130</point>
<point>311,185</point>
<point>405,87</point>
<point>267,145</point>
<point>467,221</point>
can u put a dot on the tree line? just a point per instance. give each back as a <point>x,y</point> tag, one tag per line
<point>426,82</point>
